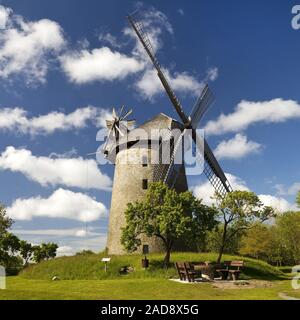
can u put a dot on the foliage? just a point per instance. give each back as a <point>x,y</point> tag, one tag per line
<point>5,222</point>
<point>84,252</point>
<point>239,210</point>
<point>15,252</point>
<point>257,242</point>
<point>45,251</point>
<point>288,232</point>
<point>214,237</point>
<point>278,243</point>
<point>298,199</point>
<point>26,251</point>
<point>168,215</point>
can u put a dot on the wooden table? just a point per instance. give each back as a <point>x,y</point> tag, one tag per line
<point>206,269</point>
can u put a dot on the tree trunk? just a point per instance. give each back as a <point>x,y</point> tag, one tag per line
<point>168,245</point>
<point>167,257</point>
<point>223,243</point>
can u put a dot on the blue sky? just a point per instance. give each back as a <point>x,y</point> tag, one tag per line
<point>65,64</point>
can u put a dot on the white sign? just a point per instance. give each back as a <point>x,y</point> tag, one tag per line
<point>105,259</point>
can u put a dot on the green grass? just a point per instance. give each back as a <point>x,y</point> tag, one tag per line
<point>89,267</point>
<point>156,289</point>
<point>83,277</point>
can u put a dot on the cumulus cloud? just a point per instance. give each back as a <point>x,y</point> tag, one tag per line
<point>74,232</point>
<point>212,73</point>
<point>98,64</point>
<point>206,191</point>
<point>110,39</point>
<point>288,190</point>
<point>278,203</point>
<point>26,47</point>
<point>149,85</point>
<point>71,172</point>
<point>17,120</point>
<point>236,148</point>
<point>4,16</point>
<point>65,251</point>
<point>247,113</point>
<point>60,204</point>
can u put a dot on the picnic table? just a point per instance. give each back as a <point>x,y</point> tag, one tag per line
<point>206,269</point>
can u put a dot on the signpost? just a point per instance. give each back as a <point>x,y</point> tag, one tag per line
<point>105,260</point>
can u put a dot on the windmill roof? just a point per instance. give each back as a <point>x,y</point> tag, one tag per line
<point>158,122</point>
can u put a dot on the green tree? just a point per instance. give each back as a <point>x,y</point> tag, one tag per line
<point>5,221</point>
<point>45,251</point>
<point>257,242</point>
<point>26,251</point>
<point>214,240</point>
<point>239,210</point>
<point>288,230</point>
<point>168,215</point>
<point>298,199</point>
<point>9,245</point>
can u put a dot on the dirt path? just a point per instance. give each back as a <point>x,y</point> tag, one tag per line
<point>286,297</point>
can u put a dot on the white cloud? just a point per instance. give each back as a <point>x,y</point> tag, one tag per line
<point>60,204</point>
<point>278,203</point>
<point>75,232</point>
<point>206,191</point>
<point>247,113</point>
<point>65,251</point>
<point>290,190</point>
<point>180,11</point>
<point>17,120</point>
<point>4,16</point>
<point>212,73</point>
<point>98,64</point>
<point>236,148</point>
<point>149,84</point>
<point>71,172</point>
<point>26,46</point>
<point>110,39</point>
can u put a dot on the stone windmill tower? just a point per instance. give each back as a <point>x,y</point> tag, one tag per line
<point>133,156</point>
<point>132,177</point>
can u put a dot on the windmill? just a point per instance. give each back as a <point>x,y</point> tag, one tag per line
<point>212,169</point>
<point>131,178</point>
<point>117,127</point>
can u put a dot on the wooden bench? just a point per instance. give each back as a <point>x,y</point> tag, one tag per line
<point>186,271</point>
<point>231,268</point>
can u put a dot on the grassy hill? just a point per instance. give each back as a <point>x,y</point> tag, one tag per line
<point>89,266</point>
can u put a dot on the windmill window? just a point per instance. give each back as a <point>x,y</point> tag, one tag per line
<point>144,161</point>
<point>145,184</point>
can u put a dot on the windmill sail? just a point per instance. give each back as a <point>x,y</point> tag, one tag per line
<point>202,104</point>
<point>118,126</point>
<point>212,169</point>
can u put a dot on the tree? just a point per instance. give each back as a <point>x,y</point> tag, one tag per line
<point>256,242</point>
<point>168,215</point>
<point>26,251</point>
<point>45,251</point>
<point>288,230</point>
<point>298,199</point>
<point>214,240</point>
<point>5,222</point>
<point>10,243</point>
<point>239,210</point>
